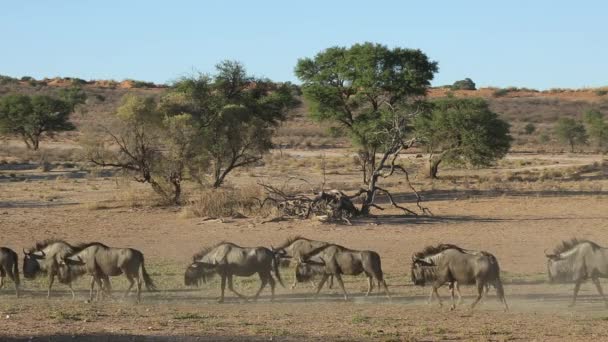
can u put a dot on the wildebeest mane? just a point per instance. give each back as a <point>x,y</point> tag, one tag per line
<point>208,249</point>
<point>84,245</point>
<point>322,248</point>
<point>432,250</point>
<point>291,240</point>
<point>567,245</point>
<point>40,245</point>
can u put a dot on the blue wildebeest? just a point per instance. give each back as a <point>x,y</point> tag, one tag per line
<point>576,261</point>
<point>455,266</point>
<point>296,247</point>
<point>43,258</point>
<point>9,266</point>
<point>227,260</point>
<point>102,262</point>
<point>335,260</point>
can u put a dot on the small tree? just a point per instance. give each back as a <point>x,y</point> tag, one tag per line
<point>466,84</point>
<point>236,112</point>
<point>371,92</point>
<point>529,128</point>
<point>462,131</point>
<point>597,128</point>
<point>30,117</point>
<point>155,148</point>
<point>571,131</point>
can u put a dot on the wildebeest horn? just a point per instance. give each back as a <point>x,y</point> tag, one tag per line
<point>26,251</point>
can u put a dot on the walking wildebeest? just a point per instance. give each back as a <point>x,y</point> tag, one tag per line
<point>228,260</point>
<point>101,262</point>
<point>337,261</point>
<point>44,258</point>
<point>420,275</point>
<point>9,265</point>
<point>578,260</point>
<point>295,248</point>
<point>455,265</point>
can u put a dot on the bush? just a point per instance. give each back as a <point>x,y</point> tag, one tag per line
<point>530,128</point>
<point>466,84</point>
<point>227,203</point>
<point>500,92</point>
<point>601,92</point>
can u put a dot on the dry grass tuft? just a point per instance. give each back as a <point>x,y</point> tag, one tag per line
<point>226,202</point>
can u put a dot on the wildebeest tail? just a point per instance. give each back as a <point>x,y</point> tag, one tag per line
<point>275,267</point>
<point>16,268</point>
<point>377,262</point>
<point>147,280</point>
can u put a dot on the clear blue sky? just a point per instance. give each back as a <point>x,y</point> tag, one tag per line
<point>539,44</point>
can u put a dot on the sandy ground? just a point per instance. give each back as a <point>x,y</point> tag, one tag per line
<point>517,229</point>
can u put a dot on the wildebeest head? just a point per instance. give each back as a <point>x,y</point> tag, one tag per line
<point>306,269</point>
<point>558,268</point>
<point>31,263</point>
<point>420,271</point>
<point>197,272</point>
<point>281,256</point>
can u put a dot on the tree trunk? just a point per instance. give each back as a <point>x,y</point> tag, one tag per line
<point>434,167</point>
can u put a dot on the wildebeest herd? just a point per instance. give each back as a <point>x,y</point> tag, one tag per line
<point>572,261</point>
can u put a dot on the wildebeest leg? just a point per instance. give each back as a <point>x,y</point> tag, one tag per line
<point>131,283</point>
<point>577,287</point>
<point>596,282</point>
<point>453,287</point>
<point>51,280</point>
<point>480,292</point>
<point>370,285</point>
<point>341,283</point>
<point>430,297</point>
<point>331,282</point>
<point>2,275</point>
<point>385,287</point>
<point>223,288</point>
<point>92,288</point>
<point>459,293</point>
<point>231,288</point>
<point>320,284</point>
<point>139,281</point>
<point>295,279</point>
<point>11,275</point>
<point>71,290</point>
<point>434,292</point>
<point>272,285</point>
<point>264,279</point>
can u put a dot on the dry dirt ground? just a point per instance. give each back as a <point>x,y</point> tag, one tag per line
<point>517,226</point>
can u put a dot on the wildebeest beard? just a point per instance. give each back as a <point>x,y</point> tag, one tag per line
<point>306,271</point>
<point>70,271</point>
<point>31,267</point>
<point>197,273</point>
<point>560,270</point>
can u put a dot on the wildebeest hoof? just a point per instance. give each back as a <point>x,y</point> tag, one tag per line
<point>220,300</point>
<point>452,308</point>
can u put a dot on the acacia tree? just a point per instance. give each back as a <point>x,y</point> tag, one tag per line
<point>571,131</point>
<point>597,128</point>
<point>371,92</point>
<point>237,115</point>
<point>462,131</point>
<point>155,148</point>
<point>31,117</point>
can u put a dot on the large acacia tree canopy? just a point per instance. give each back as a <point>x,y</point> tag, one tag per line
<point>348,85</point>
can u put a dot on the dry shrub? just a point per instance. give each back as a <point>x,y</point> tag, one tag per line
<point>132,194</point>
<point>226,202</point>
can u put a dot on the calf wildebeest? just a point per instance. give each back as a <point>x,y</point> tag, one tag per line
<point>101,262</point>
<point>420,274</point>
<point>578,260</point>
<point>228,260</point>
<point>295,248</point>
<point>44,258</point>
<point>452,264</point>
<point>9,266</point>
<point>335,260</point>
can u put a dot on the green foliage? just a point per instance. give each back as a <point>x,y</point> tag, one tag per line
<point>530,128</point>
<point>601,92</point>
<point>237,114</point>
<point>362,88</point>
<point>462,131</point>
<point>500,92</point>
<point>73,95</point>
<point>571,131</point>
<point>7,80</point>
<point>466,84</point>
<point>30,117</point>
<point>544,138</point>
<point>597,128</point>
